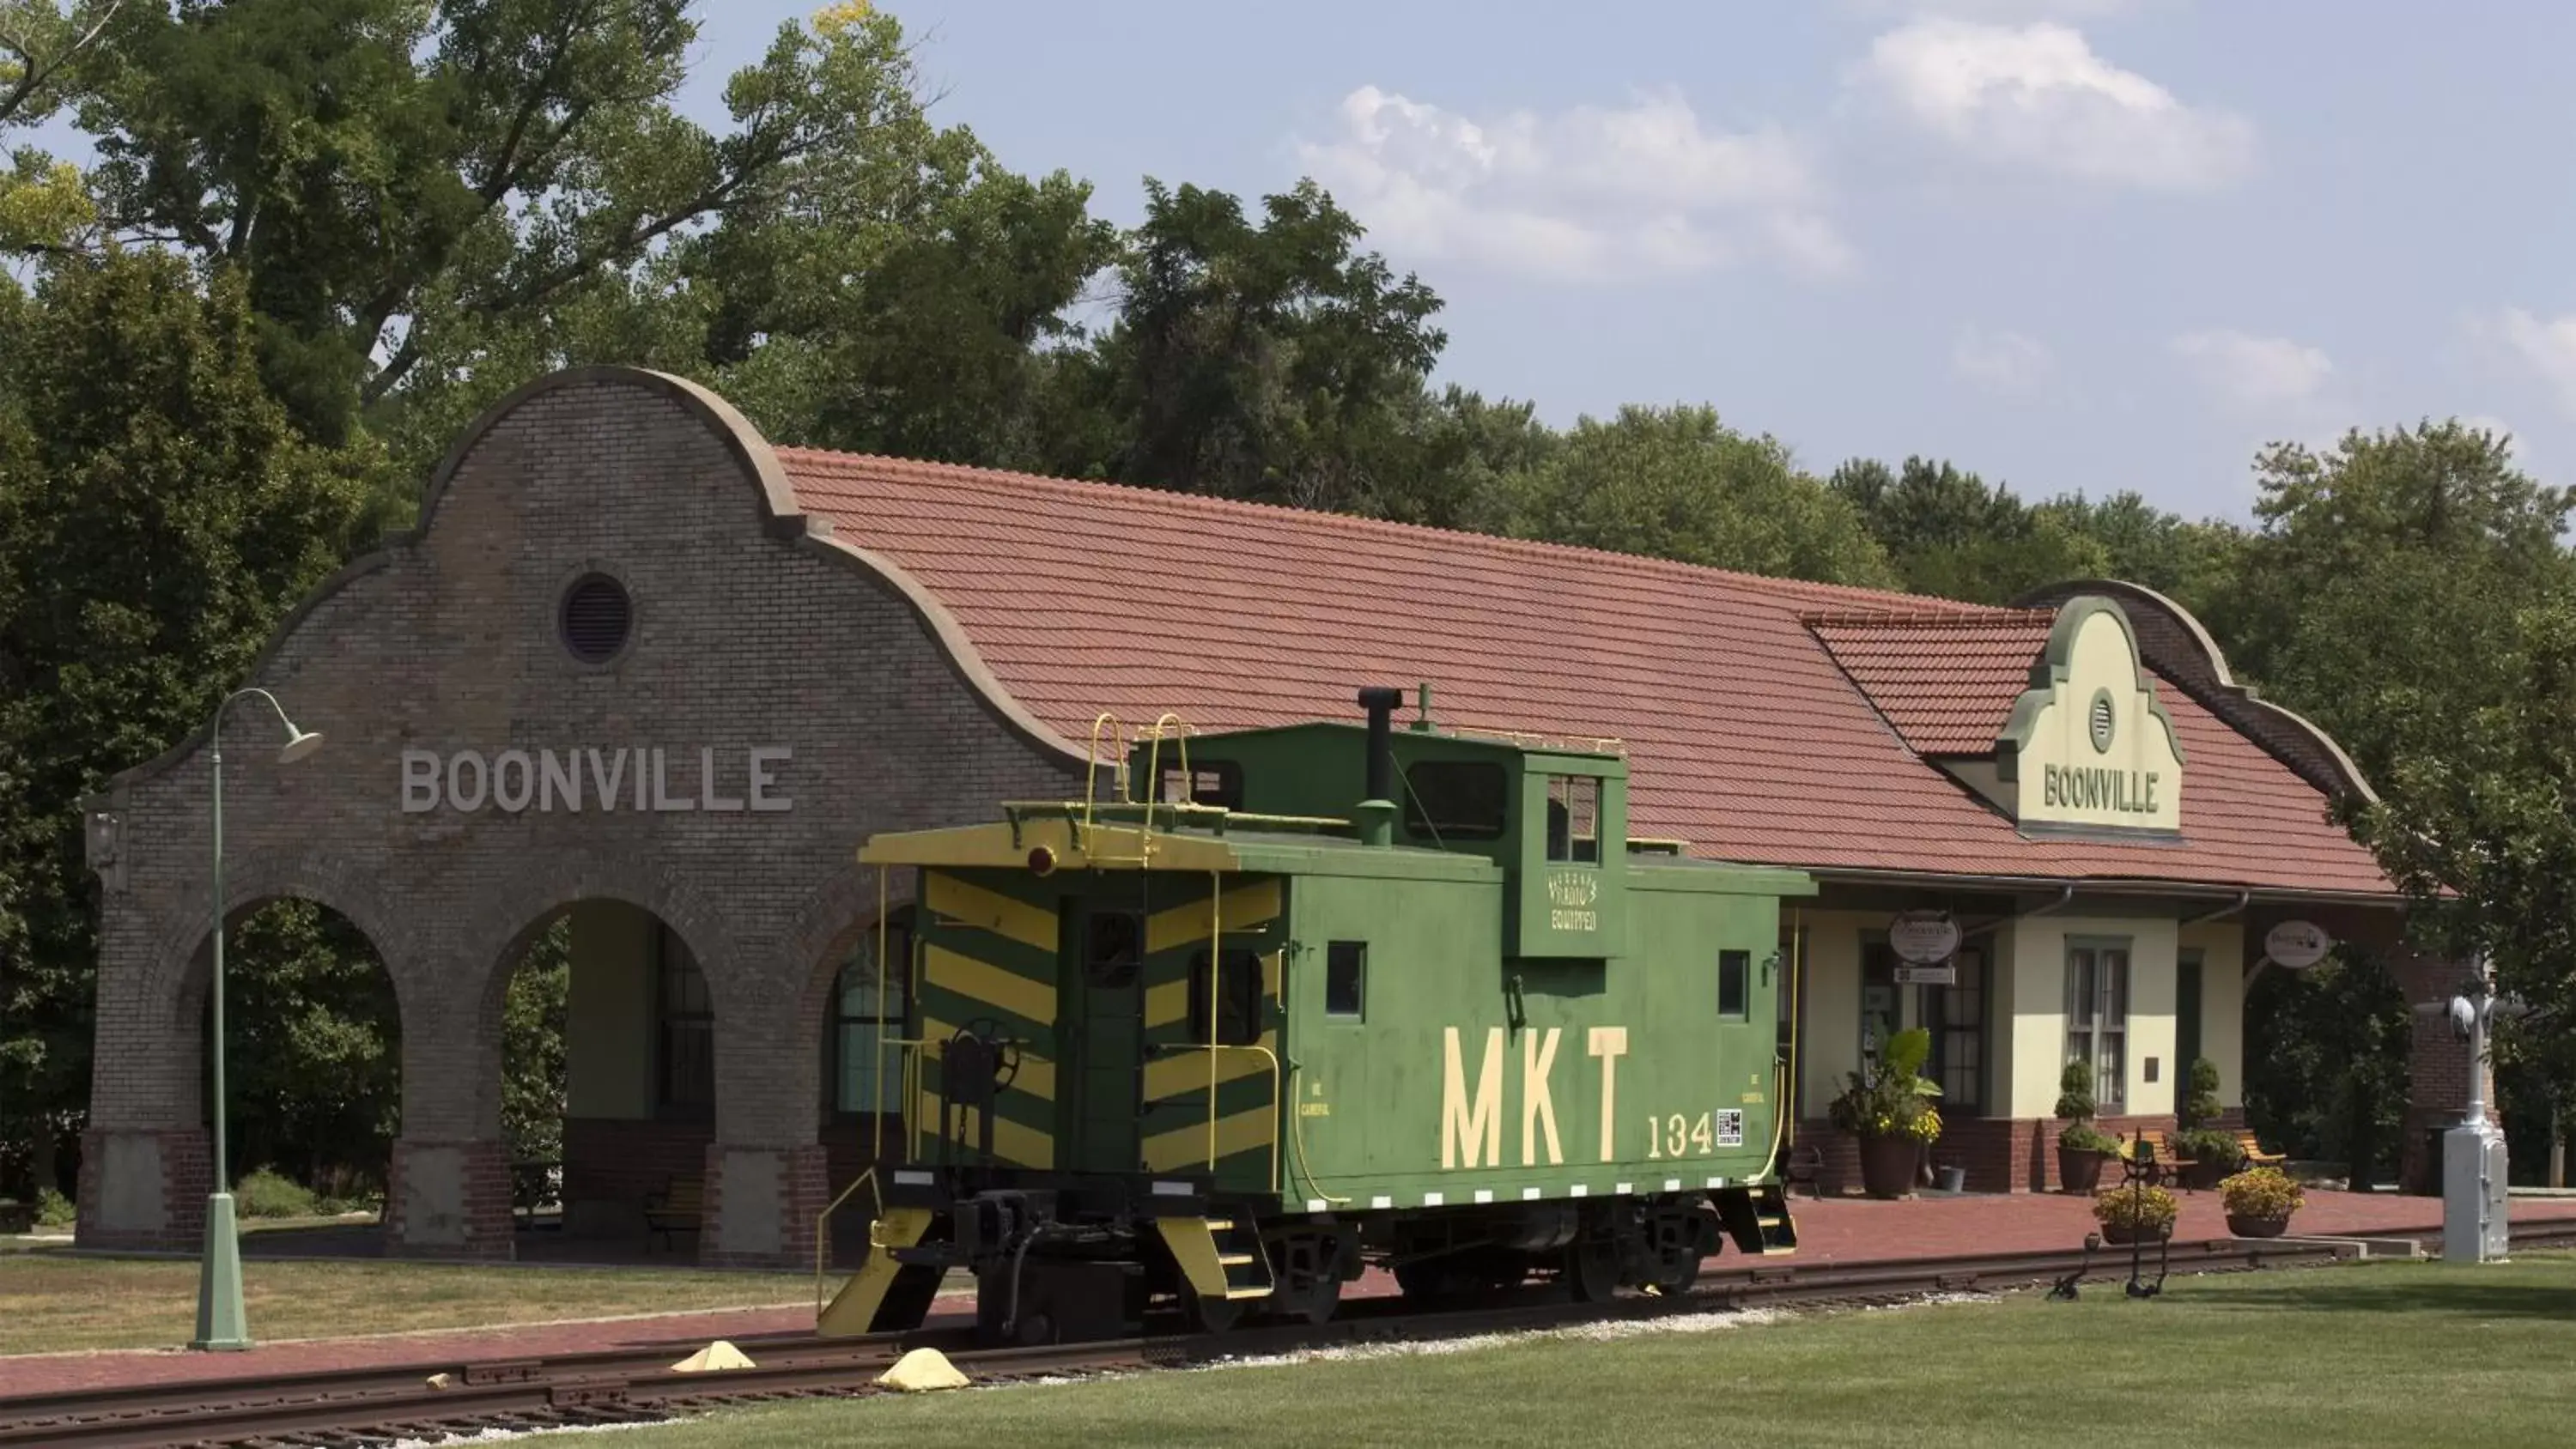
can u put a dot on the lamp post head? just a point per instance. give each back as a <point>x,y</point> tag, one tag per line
<point>299,744</point>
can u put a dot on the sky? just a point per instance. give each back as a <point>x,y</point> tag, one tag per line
<point>2071,244</point>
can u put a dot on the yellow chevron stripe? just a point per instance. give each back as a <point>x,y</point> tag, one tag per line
<point>1167,1003</point>
<point>1015,920</point>
<point>981,981</point>
<point>1182,1072</point>
<point>1013,1143</point>
<point>1185,1146</point>
<point>1037,1074</point>
<point>1245,907</point>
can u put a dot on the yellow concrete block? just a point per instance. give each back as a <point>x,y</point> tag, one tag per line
<point>922,1371</point>
<point>715,1356</point>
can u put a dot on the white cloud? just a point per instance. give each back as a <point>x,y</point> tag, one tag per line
<point>2013,364</point>
<point>2037,97</point>
<point>2547,346</point>
<point>1997,9</point>
<point>1589,192</point>
<point>2256,371</point>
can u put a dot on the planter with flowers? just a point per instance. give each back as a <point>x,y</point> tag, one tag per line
<point>1890,1110</point>
<point>2259,1202</point>
<point>2135,1213</point>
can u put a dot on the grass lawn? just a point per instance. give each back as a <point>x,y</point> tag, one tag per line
<point>52,1301</point>
<point>2401,1354</point>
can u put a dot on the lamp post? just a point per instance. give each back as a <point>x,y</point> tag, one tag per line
<point>221,1323</point>
<point>2474,1225</point>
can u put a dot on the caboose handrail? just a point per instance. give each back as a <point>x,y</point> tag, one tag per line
<point>1091,762</point>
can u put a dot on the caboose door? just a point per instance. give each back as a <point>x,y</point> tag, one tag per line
<point>1103,1033</point>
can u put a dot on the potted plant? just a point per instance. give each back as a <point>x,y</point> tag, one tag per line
<point>2259,1202</point>
<point>1891,1112</point>
<point>2213,1151</point>
<point>2135,1213</point>
<point>2082,1148</point>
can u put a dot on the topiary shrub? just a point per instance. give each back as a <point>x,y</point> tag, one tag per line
<point>2200,1105</point>
<point>2075,1093</point>
<point>2085,1137</point>
<point>265,1194</point>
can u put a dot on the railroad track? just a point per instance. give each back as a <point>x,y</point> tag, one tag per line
<point>430,1399</point>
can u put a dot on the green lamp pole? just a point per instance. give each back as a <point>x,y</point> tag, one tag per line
<point>221,1322</point>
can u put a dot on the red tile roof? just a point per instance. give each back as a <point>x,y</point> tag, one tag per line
<point>1946,682</point>
<point>1745,736</point>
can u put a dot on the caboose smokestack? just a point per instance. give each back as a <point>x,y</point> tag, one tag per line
<point>1377,807</point>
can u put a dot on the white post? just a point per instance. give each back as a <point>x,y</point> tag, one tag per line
<point>2474,1224</point>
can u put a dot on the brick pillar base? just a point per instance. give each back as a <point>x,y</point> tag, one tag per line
<point>144,1191</point>
<point>449,1200</point>
<point>761,1204</point>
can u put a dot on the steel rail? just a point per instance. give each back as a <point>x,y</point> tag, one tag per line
<point>631,1383</point>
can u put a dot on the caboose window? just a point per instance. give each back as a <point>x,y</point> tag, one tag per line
<point>1574,819</point>
<point>1733,987</point>
<point>1454,799</point>
<point>1206,782</point>
<point>1346,979</point>
<point>1239,1014</point>
<point>1113,946</point>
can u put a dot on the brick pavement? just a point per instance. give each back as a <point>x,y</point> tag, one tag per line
<point>1833,1230</point>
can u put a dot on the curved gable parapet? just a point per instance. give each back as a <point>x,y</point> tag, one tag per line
<point>782,516</point>
<point>2175,644</point>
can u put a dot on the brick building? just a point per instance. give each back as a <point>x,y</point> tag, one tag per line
<point>637,665</point>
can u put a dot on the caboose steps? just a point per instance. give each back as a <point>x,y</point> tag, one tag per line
<point>1758,1220</point>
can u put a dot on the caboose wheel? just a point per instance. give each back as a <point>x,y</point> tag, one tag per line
<point>1676,1271</point>
<point>1592,1267</point>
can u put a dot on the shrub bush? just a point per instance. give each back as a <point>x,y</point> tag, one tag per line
<point>2262,1192</point>
<point>2209,1145</point>
<point>53,1210</point>
<point>265,1194</point>
<point>2085,1137</point>
<point>2075,1093</point>
<point>2152,1209</point>
<point>2200,1105</point>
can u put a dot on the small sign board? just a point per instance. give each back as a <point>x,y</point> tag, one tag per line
<point>2297,945</point>
<point>1945,974</point>
<point>1920,938</point>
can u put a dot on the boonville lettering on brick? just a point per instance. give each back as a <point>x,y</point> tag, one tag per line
<point>640,779</point>
<point>2084,787</point>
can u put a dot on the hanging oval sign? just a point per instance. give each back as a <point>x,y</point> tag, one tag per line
<point>1923,937</point>
<point>2297,945</point>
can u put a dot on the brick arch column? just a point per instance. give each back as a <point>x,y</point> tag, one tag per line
<point>147,1154</point>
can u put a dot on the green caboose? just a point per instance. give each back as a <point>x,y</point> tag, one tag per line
<point>1278,1003</point>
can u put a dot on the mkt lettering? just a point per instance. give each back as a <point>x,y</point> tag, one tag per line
<point>1471,1126</point>
<point>646,780</point>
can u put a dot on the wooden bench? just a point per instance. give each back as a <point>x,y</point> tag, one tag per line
<point>677,1208</point>
<point>2169,1163</point>
<point>1803,1166</point>
<point>2255,1156</point>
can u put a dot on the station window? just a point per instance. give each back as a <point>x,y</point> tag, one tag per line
<point>1454,799</point>
<point>1239,1011</point>
<point>867,1013</point>
<point>1574,819</point>
<point>2097,1019</point>
<point>1734,985</point>
<point>687,1085</point>
<point>1346,979</point>
<point>1207,782</point>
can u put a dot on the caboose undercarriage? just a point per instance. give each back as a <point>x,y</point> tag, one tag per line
<point>1061,1258</point>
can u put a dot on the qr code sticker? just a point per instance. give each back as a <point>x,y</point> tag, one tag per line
<point>1730,1128</point>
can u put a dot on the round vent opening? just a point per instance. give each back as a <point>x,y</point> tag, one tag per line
<point>596,618</point>
<point>2103,721</point>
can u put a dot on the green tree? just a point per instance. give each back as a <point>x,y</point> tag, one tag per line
<point>157,515</point>
<point>1270,361</point>
<point>382,171</point>
<point>1677,483</point>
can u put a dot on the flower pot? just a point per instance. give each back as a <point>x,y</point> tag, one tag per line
<point>2078,1170</point>
<point>2125,1234</point>
<point>1887,1165</point>
<point>2202,1176</point>
<point>2256,1227</point>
